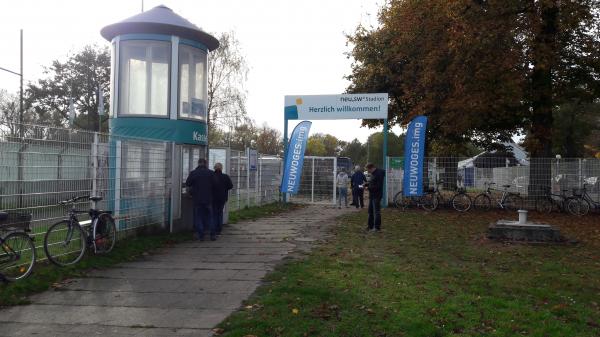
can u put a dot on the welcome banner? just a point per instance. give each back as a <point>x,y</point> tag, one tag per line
<point>294,158</point>
<point>414,156</point>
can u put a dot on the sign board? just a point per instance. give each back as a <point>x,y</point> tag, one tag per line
<point>252,160</point>
<point>396,162</point>
<point>345,106</point>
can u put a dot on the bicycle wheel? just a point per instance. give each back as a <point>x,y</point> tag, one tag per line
<point>17,256</point>
<point>578,206</point>
<point>105,234</point>
<point>513,202</point>
<point>64,243</point>
<point>544,205</point>
<point>461,202</point>
<point>482,202</point>
<point>398,202</point>
<point>429,202</point>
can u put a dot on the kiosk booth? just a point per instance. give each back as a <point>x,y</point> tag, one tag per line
<point>159,91</point>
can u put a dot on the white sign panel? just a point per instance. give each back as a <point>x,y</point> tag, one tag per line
<point>345,106</point>
<point>252,159</point>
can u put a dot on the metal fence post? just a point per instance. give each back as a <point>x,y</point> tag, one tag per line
<point>312,182</point>
<point>334,181</point>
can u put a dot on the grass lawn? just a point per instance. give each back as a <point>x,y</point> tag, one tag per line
<point>432,274</point>
<point>46,275</point>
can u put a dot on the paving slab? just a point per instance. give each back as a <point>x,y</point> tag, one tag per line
<point>183,290</point>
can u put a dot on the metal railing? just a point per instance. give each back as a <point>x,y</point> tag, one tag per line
<point>49,164</point>
<point>530,177</point>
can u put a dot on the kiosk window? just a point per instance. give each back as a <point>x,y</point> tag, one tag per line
<point>144,73</point>
<point>192,83</point>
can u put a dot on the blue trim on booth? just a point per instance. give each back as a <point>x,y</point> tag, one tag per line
<point>178,131</point>
<point>193,44</point>
<point>155,37</point>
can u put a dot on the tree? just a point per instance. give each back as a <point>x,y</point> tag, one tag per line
<point>227,74</point>
<point>79,78</point>
<point>10,113</point>
<point>480,70</point>
<point>269,141</point>
<point>356,151</point>
<point>315,147</point>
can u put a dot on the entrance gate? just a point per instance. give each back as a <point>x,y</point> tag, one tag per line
<point>317,182</point>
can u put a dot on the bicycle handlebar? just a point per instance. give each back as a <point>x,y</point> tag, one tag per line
<point>74,199</point>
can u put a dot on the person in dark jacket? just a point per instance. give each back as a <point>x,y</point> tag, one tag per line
<point>201,185</point>
<point>221,194</point>
<point>375,196</point>
<point>357,183</point>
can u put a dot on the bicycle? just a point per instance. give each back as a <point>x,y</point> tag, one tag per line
<point>432,198</point>
<point>66,241</point>
<point>460,200</point>
<point>17,250</point>
<point>552,201</point>
<point>582,202</point>
<point>509,200</point>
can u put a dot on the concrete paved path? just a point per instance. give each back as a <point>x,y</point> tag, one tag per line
<point>184,290</point>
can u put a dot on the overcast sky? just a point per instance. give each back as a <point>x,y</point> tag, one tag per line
<point>292,46</point>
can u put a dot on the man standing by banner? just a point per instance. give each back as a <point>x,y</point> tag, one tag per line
<point>294,158</point>
<point>375,185</point>
<point>414,156</point>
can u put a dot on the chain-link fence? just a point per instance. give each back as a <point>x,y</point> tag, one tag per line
<point>532,178</point>
<point>254,185</point>
<point>40,166</point>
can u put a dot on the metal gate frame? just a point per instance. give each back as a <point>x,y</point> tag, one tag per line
<point>310,160</point>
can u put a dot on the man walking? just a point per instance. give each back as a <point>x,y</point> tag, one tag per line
<point>357,182</point>
<point>222,186</point>
<point>342,187</point>
<point>375,196</point>
<point>201,185</point>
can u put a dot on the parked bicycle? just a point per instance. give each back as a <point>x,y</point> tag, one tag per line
<point>17,250</point>
<point>66,241</point>
<point>460,200</point>
<point>432,198</point>
<point>582,202</point>
<point>508,201</point>
<point>553,202</point>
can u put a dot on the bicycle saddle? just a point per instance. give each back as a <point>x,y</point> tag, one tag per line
<point>95,199</point>
<point>3,216</point>
<point>507,186</point>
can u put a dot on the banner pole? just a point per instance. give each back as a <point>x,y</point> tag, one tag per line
<point>285,148</point>
<point>385,161</point>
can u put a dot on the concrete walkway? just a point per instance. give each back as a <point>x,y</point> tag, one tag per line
<point>184,290</point>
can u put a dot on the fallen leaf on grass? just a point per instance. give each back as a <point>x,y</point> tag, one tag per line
<point>218,331</point>
<point>295,311</point>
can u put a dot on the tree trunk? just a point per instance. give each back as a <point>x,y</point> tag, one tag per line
<point>543,60</point>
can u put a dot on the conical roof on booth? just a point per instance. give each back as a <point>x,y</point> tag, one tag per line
<point>160,20</point>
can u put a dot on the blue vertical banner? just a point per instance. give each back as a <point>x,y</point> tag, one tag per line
<point>414,156</point>
<point>294,158</point>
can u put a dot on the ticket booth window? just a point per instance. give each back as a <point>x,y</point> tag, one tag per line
<point>192,83</point>
<point>144,72</point>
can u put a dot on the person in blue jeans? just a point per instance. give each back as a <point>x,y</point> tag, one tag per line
<point>375,186</point>
<point>201,184</point>
<point>221,194</point>
<point>357,182</point>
